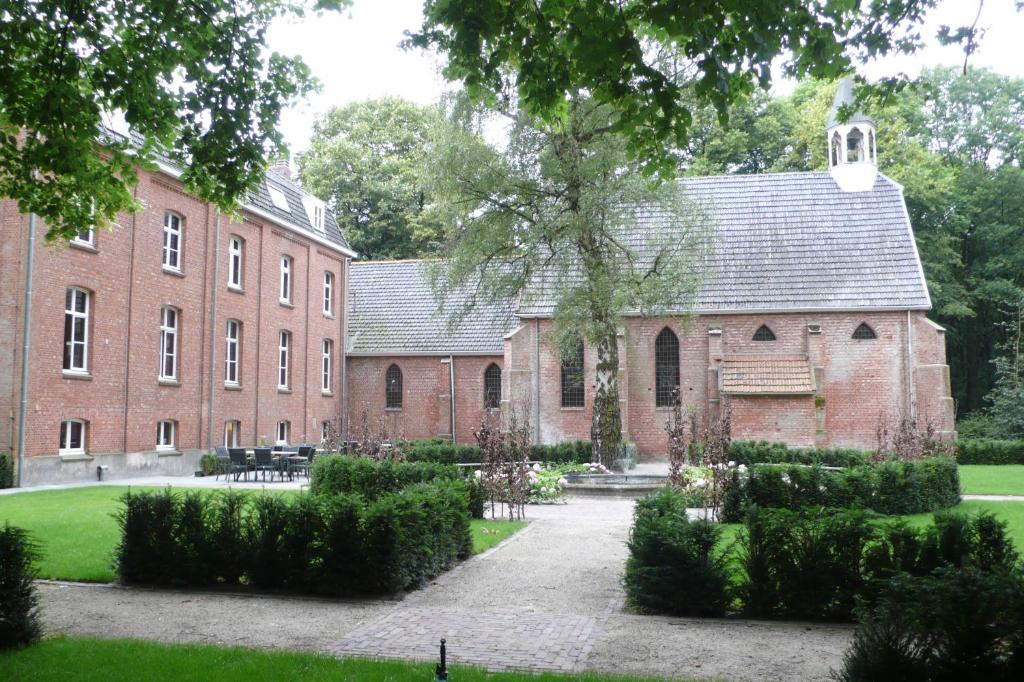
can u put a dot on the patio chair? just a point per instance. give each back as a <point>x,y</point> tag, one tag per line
<point>239,463</point>
<point>265,462</point>
<point>223,463</point>
<point>307,451</point>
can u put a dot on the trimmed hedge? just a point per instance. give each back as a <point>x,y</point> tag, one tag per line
<point>346,475</point>
<point>318,544</point>
<point>895,487</point>
<point>575,452</point>
<point>762,452</point>
<point>20,623</point>
<point>6,470</point>
<point>796,564</point>
<point>985,451</point>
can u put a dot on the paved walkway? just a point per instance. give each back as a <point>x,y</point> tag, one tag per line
<point>995,498</point>
<point>547,599</point>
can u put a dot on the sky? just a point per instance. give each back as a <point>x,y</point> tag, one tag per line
<point>356,54</point>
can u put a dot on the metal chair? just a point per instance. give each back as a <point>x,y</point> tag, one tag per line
<point>308,452</point>
<point>239,461</point>
<point>223,463</point>
<point>264,462</point>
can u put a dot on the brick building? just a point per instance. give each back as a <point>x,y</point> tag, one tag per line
<point>810,321</point>
<point>177,330</point>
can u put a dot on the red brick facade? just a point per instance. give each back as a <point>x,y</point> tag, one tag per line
<point>120,396</point>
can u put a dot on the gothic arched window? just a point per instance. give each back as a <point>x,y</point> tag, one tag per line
<point>836,148</point>
<point>666,368</point>
<point>393,388</point>
<point>572,377</point>
<point>763,333</point>
<point>864,332</point>
<point>492,387</point>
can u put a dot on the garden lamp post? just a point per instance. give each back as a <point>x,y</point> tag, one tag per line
<point>441,673</point>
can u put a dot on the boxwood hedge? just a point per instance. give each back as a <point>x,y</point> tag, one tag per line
<point>986,451</point>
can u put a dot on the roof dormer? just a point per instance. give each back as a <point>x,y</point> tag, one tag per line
<point>316,210</point>
<point>852,154</point>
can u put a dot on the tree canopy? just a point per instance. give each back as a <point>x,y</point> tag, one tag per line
<point>193,79</point>
<point>653,62</point>
<point>366,159</point>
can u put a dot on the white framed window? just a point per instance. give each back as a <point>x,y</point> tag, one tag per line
<point>232,433</point>
<point>286,279</point>
<point>325,431</point>
<point>283,429</point>
<point>235,262</point>
<point>166,431</point>
<point>76,330</point>
<point>327,356</point>
<point>72,437</point>
<point>233,341</point>
<point>169,343</point>
<point>316,211</point>
<point>85,238</point>
<point>329,294</point>
<point>283,349</point>
<point>172,241</point>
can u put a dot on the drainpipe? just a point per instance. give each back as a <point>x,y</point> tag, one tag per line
<point>451,391</point>
<point>213,329</point>
<point>26,345</point>
<point>910,369</point>
<point>536,381</point>
<point>343,355</point>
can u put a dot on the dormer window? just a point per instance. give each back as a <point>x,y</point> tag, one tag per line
<point>763,333</point>
<point>316,211</point>
<point>278,198</point>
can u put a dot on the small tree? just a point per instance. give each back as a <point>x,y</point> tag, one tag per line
<point>376,441</point>
<point>1007,397</point>
<point>19,603</point>
<point>679,438</point>
<point>906,438</point>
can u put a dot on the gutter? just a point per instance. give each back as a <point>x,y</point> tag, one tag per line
<point>26,344</point>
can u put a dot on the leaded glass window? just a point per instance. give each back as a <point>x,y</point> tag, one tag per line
<point>666,368</point>
<point>572,377</point>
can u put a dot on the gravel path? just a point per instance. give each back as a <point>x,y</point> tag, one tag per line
<point>549,598</point>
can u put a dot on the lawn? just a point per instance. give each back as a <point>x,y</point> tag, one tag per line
<point>982,479</point>
<point>77,531</point>
<point>75,659</point>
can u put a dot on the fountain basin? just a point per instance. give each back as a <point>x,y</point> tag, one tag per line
<point>614,485</point>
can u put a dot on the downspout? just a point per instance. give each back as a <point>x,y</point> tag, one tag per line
<point>128,326</point>
<point>213,329</point>
<point>451,392</point>
<point>911,394</point>
<point>343,310</point>
<point>26,345</point>
<point>536,381</point>
<point>259,335</point>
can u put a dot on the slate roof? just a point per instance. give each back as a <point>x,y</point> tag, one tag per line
<point>766,376</point>
<point>844,97</point>
<point>260,198</point>
<point>392,311</point>
<point>788,242</point>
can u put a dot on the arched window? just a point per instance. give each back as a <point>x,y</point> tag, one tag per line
<point>763,333</point>
<point>864,332</point>
<point>837,146</point>
<point>666,368</point>
<point>492,387</point>
<point>393,388</point>
<point>572,377</point>
<point>872,153</point>
<point>855,146</point>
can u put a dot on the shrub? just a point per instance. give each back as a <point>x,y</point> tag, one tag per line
<point>763,452</point>
<point>266,532</point>
<point>146,553</point>
<point>673,567</point>
<point>6,470</point>
<point>574,452</point>
<point>342,474</point>
<point>194,555</point>
<point>209,465</point>
<point>893,487</point>
<point>952,624</point>
<point>19,603</point>
<point>986,451</point>
<point>228,546</point>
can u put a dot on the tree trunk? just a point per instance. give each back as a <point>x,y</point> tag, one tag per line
<point>606,426</point>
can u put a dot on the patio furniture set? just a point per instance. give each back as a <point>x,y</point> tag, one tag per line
<point>281,461</point>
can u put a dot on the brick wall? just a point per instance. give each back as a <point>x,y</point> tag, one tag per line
<point>121,397</point>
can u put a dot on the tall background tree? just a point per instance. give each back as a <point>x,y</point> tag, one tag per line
<point>366,159</point>
<point>551,218</point>
<point>193,79</point>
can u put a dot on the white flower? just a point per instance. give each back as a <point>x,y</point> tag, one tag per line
<point>731,464</point>
<point>544,489</point>
<point>478,473</point>
<point>742,468</point>
<point>536,466</point>
<point>562,481</point>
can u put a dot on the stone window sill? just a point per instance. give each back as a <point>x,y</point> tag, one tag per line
<point>282,389</point>
<point>392,409</point>
<point>83,246</point>
<point>78,376</point>
<point>329,316</point>
<point>573,409</point>
<point>329,394</point>
<point>173,271</point>
<point>168,382</point>
<point>168,453</point>
<point>75,457</point>
<point>228,386</point>
<point>235,289</point>
<point>286,304</point>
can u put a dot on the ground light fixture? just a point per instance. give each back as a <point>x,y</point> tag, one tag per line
<point>441,672</point>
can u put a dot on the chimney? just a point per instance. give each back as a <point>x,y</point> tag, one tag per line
<point>282,169</point>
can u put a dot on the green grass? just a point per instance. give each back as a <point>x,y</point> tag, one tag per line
<point>985,479</point>
<point>80,659</point>
<point>77,532</point>
<point>487,534</point>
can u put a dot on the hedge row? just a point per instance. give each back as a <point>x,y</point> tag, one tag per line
<point>985,451</point>
<point>346,475</point>
<point>763,452</point>
<point>6,470</point>
<point>320,544</point>
<point>575,452</point>
<point>802,565</point>
<point>20,622</point>
<point>888,488</point>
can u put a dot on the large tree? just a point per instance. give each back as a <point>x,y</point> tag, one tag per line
<point>193,79</point>
<point>366,158</point>
<point>641,57</point>
<point>552,218</point>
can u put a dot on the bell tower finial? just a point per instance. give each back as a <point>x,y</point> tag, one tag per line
<point>852,155</point>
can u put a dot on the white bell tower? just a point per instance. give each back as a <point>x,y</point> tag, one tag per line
<point>852,156</point>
